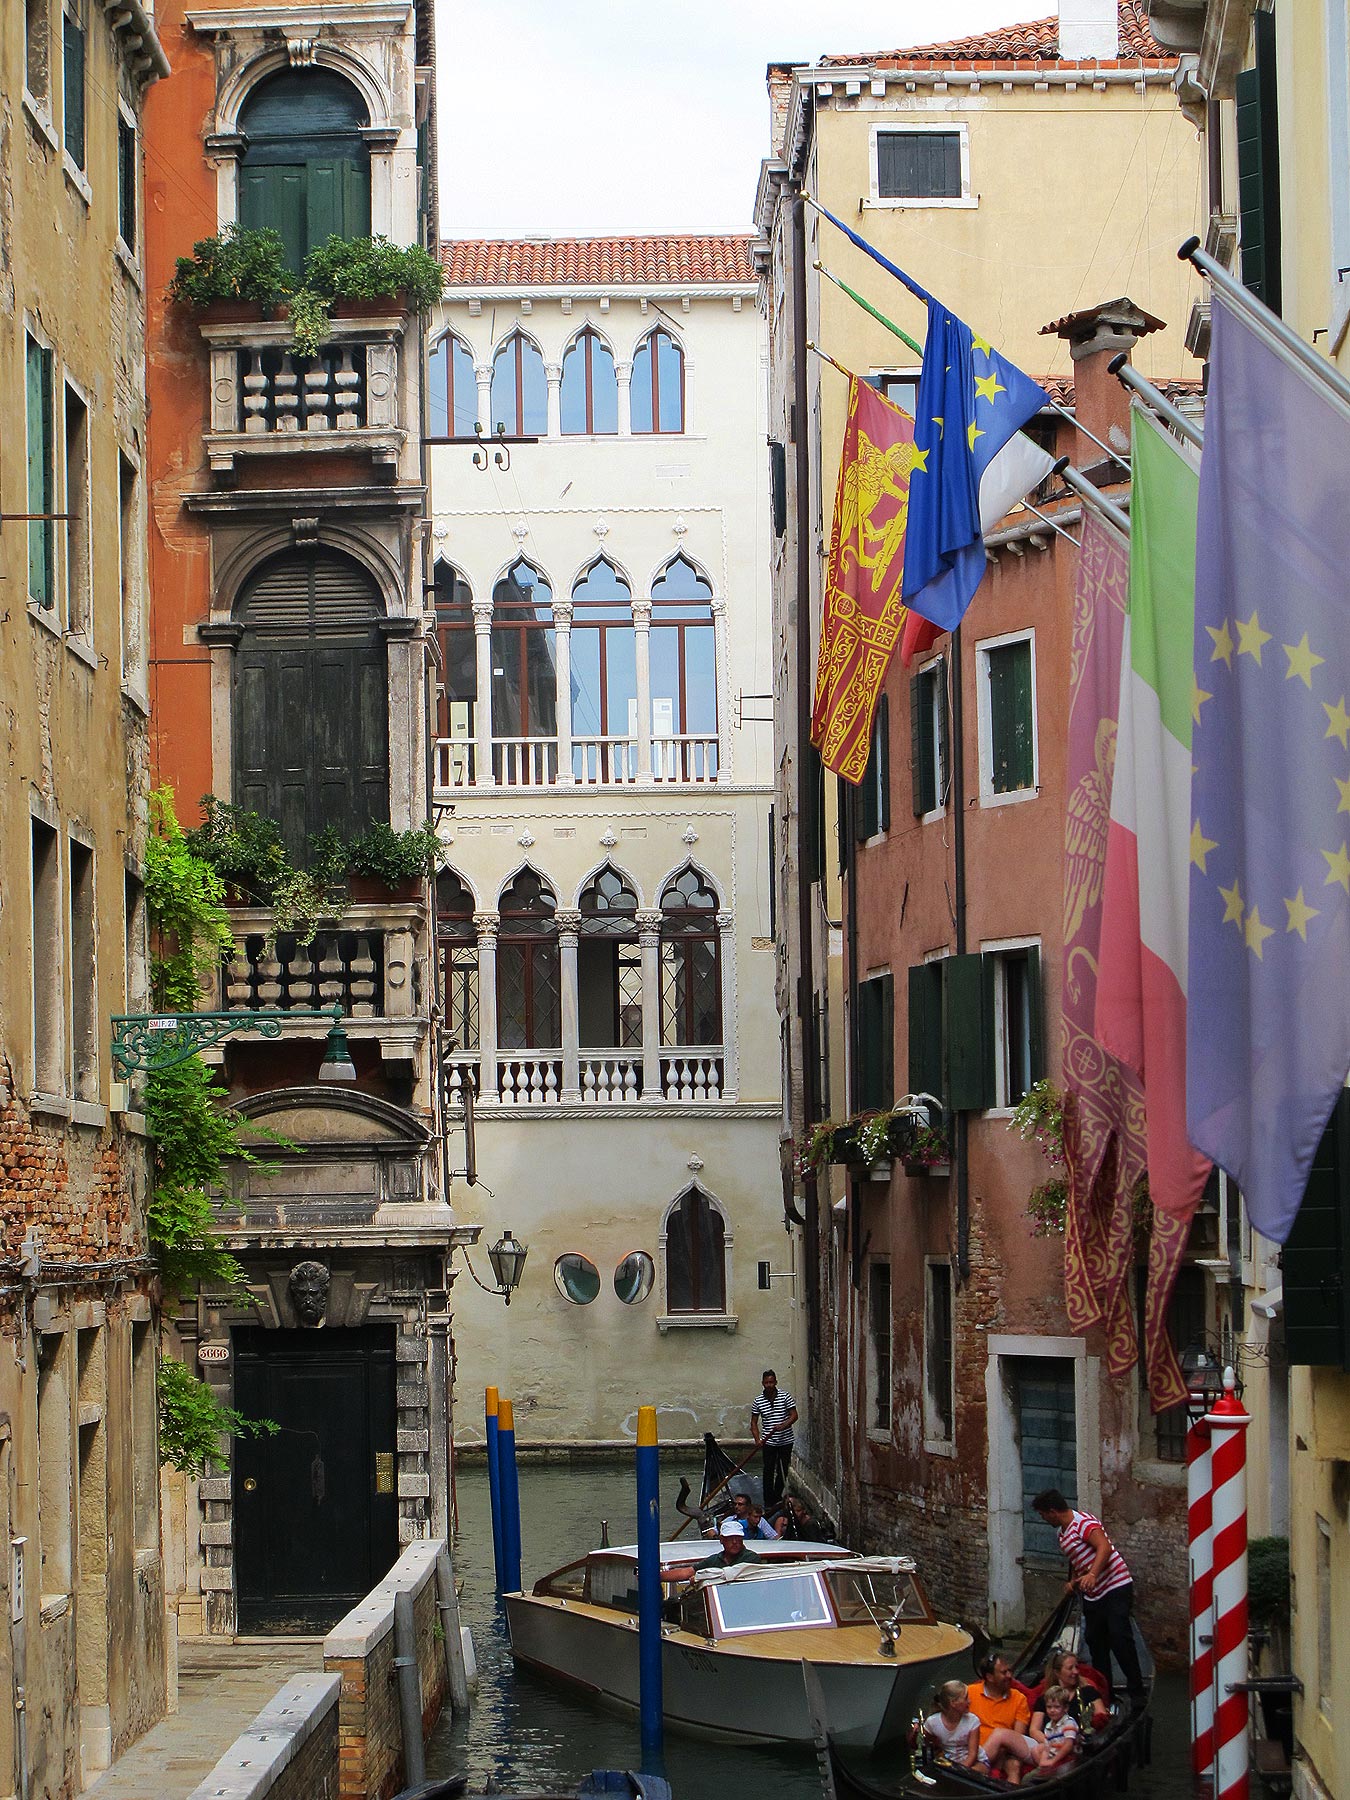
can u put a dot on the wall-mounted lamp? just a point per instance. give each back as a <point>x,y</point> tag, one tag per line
<point>507,1257</point>
<point>337,1064</point>
<point>768,1275</point>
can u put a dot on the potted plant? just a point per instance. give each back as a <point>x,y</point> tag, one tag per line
<point>237,276</point>
<point>928,1152</point>
<point>243,847</point>
<point>357,276</point>
<point>388,864</point>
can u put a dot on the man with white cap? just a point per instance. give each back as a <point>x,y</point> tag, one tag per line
<point>734,1550</point>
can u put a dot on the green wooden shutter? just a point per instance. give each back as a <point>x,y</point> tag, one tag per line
<point>925,1028</point>
<point>1012,751</point>
<point>882,752</point>
<point>274,194</point>
<point>1312,1263</point>
<point>355,200</point>
<point>1259,168</point>
<point>72,88</point>
<point>939,679</point>
<point>920,755</point>
<point>323,201</point>
<point>874,1043</point>
<point>1035,1015</point>
<point>969,1035</point>
<point>41,561</point>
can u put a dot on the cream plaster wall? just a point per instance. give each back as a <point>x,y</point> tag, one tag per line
<point>599,1180</point>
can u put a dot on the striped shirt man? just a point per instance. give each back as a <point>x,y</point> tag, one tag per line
<point>1074,1541</point>
<point>772,1413</point>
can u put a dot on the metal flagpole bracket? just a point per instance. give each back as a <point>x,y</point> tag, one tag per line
<point>148,1042</point>
<point>1128,376</point>
<point>1092,496</point>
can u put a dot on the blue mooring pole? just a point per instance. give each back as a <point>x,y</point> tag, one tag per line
<point>510,1492</point>
<point>490,1404</point>
<point>651,1709</point>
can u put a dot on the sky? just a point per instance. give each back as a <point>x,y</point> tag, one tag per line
<point>568,118</point>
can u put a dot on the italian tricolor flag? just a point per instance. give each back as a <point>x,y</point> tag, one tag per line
<point>1141,982</point>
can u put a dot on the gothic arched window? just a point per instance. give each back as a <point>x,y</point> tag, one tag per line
<point>691,963</point>
<point>529,976</point>
<point>658,384</point>
<point>604,675</point>
<point>609,965</point>
<point>457,941</point>
<point>452,388</point>
<point>590,389</point>
<point>696,1255</point>
<point>519,388</point>
<point>684,674</point>
<point>524,671</point>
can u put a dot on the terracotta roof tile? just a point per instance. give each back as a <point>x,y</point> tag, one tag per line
<point>603,262</point>
<point>1037,41</point>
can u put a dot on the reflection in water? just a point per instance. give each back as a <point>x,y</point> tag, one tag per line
<point>527,1733</point>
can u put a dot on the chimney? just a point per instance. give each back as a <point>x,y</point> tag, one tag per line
<point>1089,30</point>
<point>1095,336</point>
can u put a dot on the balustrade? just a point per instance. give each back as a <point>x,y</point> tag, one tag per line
<point>595,761</point>
<point>604,761</point>
<point>611,1078</point>
<point>688,1076</point>
<point>533,1079</point>
<point>524,762</point>
<point>342,968</point>
<point>684,758</point>
<point>456,762</point>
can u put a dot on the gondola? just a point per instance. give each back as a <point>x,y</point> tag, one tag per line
<point>1103,1766</point>
<point>622,1784</point>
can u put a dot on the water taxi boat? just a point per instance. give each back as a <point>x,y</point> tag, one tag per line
<point>734,1640</point>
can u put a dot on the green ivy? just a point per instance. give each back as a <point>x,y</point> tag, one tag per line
<point>192,1422</point>
<point>185,901</point>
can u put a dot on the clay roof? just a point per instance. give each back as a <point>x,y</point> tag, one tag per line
<point>603,262</point>
<point>1037,41</point>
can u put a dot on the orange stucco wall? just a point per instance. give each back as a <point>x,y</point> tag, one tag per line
<point>180,207</point>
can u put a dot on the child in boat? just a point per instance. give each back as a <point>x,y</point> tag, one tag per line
<point>1058,1739</point>
<point>953,1731</point>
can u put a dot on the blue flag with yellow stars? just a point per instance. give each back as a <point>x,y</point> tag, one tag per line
<point>971,401</point>
<point>1268,1025</point>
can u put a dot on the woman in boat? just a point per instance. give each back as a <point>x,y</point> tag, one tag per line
<point>1087,1707</point>
<point>952,1732</point>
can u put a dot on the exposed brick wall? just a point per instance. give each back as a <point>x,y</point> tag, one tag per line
<point>73,1188</point>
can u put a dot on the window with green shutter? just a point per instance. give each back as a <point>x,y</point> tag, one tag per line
<point>1019,1055</point>
<point>1258,157</point>
<point>1312,1263</point>
<point>928,738</point>
<point>926,1020</point>
<point>1009,750</point>
<point>874,1043</point>
<point>305,171</point>
<point>970,1037</point>
<point>872,797</point>
<point>72,87</point>
<point>41,476</point>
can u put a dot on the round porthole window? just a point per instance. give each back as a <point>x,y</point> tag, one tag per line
<point>577,1279</point>
<point>634,1277</point>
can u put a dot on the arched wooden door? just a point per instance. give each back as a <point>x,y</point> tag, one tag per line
<point>310,699</point>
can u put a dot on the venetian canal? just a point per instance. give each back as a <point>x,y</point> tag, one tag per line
<point>525,1733</point>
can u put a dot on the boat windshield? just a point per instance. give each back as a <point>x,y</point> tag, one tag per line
<point>868,1595</point>
<point>781,1603</point>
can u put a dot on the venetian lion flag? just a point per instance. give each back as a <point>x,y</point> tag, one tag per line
<point>1141,982</point>
<point>863,613</point>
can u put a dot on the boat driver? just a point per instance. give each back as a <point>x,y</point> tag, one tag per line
<point>734,1550</point>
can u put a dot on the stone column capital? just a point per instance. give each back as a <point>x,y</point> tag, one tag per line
<point>642,614</point>
<point>486,924</point>
<point>562,614</point>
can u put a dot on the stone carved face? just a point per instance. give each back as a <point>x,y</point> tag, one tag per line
<point>309,1292</point>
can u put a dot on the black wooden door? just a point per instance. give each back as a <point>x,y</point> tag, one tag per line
<point>315,1511</point>
<point>310,707</point>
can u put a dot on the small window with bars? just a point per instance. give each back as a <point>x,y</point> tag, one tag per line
<point>921,166</point>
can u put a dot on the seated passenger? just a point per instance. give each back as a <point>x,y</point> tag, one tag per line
<point>794,1519</point>
<point>952,1733</point>
<point>756,1525</point>
<point>1086,1706</point>
<point>734,1551</point>
<point>1006,1744</point>
<point>1058,1738</point>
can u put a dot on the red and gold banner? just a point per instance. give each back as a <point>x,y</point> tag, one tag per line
<point>862,614</point>
<point>1104,1136</point>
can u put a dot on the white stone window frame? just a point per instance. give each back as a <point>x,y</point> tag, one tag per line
<point>911,127</point>
<point>936,666</point>
<point>727,1320</point>
<point>1016,796</point>
<point>51,1101</point>
<point>998,949</point>
<point>129,255</point>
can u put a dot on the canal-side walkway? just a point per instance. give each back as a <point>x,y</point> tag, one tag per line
<point>223,1685</point>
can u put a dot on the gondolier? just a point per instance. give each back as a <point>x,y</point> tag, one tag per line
<point>1102,1577</point>
<point>772,1416</point>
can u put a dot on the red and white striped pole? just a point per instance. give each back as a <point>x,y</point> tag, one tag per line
<point>1200,1560</point>
<point>1228,1424</point>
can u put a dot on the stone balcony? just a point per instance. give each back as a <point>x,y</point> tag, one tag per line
<point>268,400</point>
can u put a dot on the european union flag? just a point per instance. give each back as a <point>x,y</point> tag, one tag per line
<point>971,401</point>
<point>1268,1030</point>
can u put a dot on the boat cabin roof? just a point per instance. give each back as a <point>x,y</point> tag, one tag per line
<point>680,1552</point>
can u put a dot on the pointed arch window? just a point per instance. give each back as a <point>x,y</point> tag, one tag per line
<point>457,692</point>
<point>524,670</point>
<point>609,965</point>
<point>696,1255</point>
<point>590,389</point>
<point>452,388</point>
<point>691,963</point>
<point>305,170</point>
<point>658,384</point>
<point>457,941</point>
<point>684,673</point>
<point>519,388</point>
<point>529,974</point>
<point>604,675</point>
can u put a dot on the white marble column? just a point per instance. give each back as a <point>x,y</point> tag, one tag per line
<point>722,676</point>
<point>553,375</point>
<point>649,942</point>
<point>623,374</point>
<point>726,932</point>
<point>485,924</point>
<point>482,710</point>
<point>642,651</point>
<point>482,374</point>
<point>562,626</point>
<point>569,934</point>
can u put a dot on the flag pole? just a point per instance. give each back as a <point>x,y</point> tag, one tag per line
<point>1264,319</point>
<point>1128,376</point>
<point>825,356</point>
<point>1092,496</point>
<point>1076,542</point>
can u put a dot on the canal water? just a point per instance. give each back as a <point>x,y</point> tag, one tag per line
<point>525,1734</point>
